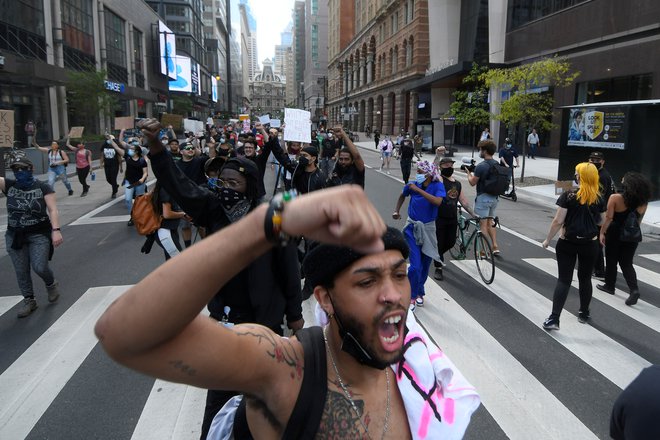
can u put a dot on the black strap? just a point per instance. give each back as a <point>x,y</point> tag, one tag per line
<point>306,416</point>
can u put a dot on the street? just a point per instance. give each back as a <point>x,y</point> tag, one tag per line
<point>57,382</point>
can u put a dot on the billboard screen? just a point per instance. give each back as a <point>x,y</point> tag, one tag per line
<point>194,76</point>
<point>214,89</point>
<point>599,127</point>
<point>167,50</point>
<point>183,81</point>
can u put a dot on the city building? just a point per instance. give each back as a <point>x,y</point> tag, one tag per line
<point>41,41</point>
<point>291,88</point>
<point>216,41</point>
<point>249,34</point>
<point>267,92</point>
<point>376,50</point>
<point>298,45</point>
<point>316,60</point>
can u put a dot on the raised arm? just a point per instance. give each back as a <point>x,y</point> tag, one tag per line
<point>39,147</point>
<point>120,151</point>
<point>68,144</point>
<point>357,158</point>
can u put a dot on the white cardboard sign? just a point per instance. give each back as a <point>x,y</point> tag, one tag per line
<point>298,125</point>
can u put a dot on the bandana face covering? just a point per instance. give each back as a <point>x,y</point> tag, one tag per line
<point>235,204</point>
<point>24,179</point>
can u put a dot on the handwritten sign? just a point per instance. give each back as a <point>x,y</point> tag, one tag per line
<point>246,126</point>
<point>76,132</point>
<point>124,123</point>
<point>298,125</point>
<point>6,128</point>
<point>175,121</point>
<point>275,123</point>
<point>264,119</point>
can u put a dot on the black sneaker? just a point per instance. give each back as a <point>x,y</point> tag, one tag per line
<point>114,195</point>
<point>599,275</point>
<point>438,274</point>
<point>70,192</point>
<point>551,324</point>
<point>632,299</point>
<point>84,193</point>
<point>605,288</point>
<point>583,317</point>
<point>130,223</point>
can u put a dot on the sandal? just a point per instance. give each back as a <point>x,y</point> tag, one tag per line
<point>496,251</point>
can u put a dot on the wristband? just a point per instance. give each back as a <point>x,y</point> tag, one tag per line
<point>56,229</point>
<point>273,220</point>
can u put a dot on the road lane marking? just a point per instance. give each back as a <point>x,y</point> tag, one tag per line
<point>7,302</point>
<point>611,359</point>
<point>652,257</point>
<point>643,312</point>
<point>172,411</point>
<point>518,402</point>
<point>32,382</point>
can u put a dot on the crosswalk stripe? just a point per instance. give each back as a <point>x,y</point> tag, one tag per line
<point>643,312</point>
<point>173,411</point>
<point>518,402</point>
<point>652,257</point>
<point>646,276</point>
<point>32,382</point>
<point>7,302</point>
<point>603,354</point>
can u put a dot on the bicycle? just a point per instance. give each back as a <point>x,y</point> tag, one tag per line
<point>354,137</point>
<point>483,254</point>
<point>12,154</point>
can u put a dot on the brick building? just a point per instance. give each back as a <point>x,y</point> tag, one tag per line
<point>376,50</point>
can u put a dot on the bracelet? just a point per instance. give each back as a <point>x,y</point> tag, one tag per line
<point>56,229</point>
<point>273,220</point>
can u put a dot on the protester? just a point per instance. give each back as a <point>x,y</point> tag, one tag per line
<point>308,177</point>
<point>578,218</point>
<point>350,167</point>
<point>606,190</point>
<point>386,148</point>
<point>30,130</point>
<point>175,150</point>
<point>418,141</point>
<point>33,229</point>
<point>407,151</point>
<point>329,153</point>
<point>376,138</point>
<point>83,163</point>
<point>485,205</point>
<point>111,165</point>
<point>264,290</point>
<point>636,412</point>
<point>634,199</point>
<point>57,162</point>
<point>167,235</point>
<point>136,175</point>
<point>289,392</point>
<point>426,195</point>
<point>271,144</point>
<point>446,223</point>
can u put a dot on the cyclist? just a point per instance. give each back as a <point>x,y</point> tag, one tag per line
<point>426,194</point>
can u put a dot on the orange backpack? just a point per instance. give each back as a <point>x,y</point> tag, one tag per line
<point>146,219</point>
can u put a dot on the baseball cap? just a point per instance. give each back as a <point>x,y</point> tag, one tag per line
<point>597,155</point>
<point>22,162</point>
<point>447,160</point>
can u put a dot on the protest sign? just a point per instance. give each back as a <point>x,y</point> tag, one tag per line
<point>124,123</point>
<point>6,128</point>
<point>275,123</point>
<point>175,121</point>
<point>76,132</point>
<point>264,119</point>
<point>246,126</point>
<point>243,117</point>
<point>298,125</point>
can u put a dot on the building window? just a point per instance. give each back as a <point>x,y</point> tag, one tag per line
<point>522,12</point>
<point>115,43</point>
<point>77,25</point>
<point>177,11</point>
<point>24,14</point>
<point>395,23</point>
<point>623,88</point>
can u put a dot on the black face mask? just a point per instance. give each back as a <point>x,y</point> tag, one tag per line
<point>352,346</point>
<point>446,172</point>
<point>303,161</point>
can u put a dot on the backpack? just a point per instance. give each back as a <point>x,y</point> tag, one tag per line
<point>146,219</point>
<point>583,225</point>
<point>630,230</point>
<point>497,180</point>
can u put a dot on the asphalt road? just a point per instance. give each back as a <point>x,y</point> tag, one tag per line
<point>57,383</point>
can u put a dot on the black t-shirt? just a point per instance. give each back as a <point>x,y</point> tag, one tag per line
<point>330,147</point>
<point>508,154</point>
<point>448,210</point>
<point>606,184</point>
<point>352,176</point>
<point>581,222</point>
<point>194,169</point>
<point>134,169</point>
<point>481,171</point>
<point>26,208</point>
<point>164,197</point>
<point>407,149</point>
<point>110,156</point>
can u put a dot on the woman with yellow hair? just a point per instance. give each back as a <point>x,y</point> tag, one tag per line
<point>578,216</point>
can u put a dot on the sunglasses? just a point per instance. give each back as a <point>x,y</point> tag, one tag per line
<point>188,148</point>
<point>21,168</point>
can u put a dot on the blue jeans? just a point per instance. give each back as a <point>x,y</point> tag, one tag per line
<point>34,253</point>
<point>532,151</point>
<point>418,271</point>
<point>54,173</point>
<point>137,190</point>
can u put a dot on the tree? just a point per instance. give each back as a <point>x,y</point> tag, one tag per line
<point>181,105</point>
<point>526,107</point>
<point>470,107</point>
<point>88,97</point>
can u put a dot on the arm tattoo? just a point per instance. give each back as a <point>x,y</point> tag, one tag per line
<point>280,349</point>
<point>183,367</point>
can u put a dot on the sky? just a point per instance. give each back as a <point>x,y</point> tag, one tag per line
<point>272,18</point>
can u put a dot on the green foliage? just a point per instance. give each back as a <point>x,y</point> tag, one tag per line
<point>524,107</point>
<point>470,106</point>
<point>181,105</point>
<point>88,96</point>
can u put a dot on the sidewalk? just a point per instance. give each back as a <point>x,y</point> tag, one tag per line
<point>545,168</point>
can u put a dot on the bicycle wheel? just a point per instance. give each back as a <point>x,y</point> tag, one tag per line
<point>483,256</point>
<point>457,252</point>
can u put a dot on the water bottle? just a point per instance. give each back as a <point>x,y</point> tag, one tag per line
<point>93,176</point>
